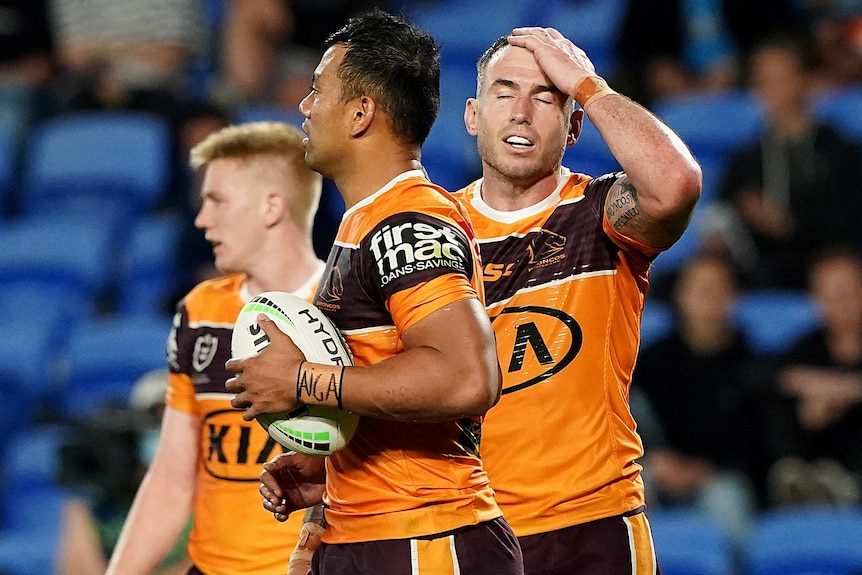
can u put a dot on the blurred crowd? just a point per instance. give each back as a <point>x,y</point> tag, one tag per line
<point>730,427</point>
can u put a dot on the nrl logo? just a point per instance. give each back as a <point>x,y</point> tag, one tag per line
<point>205,350</point>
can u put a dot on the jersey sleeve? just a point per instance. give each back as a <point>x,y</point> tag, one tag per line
<point>597,192</point>
<point>181,392</point>
<point>416,263</point>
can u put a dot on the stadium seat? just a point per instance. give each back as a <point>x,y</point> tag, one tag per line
<point>262,113</point>
<point>449,153</point>
<point>712,124</point>
<point>843,109</point>
<point>657,322</point>
<point>590,154</point>
<point>149,262</point>
<point>29,551</point>
<point>806,541</point>
<point>7,171</point>
<point>114,163</point>
<point>105,358</point>
<point>687,543</point>
<point>464,33</point>
<point>591,24</point>
<point>16,112</point>
<point>30,467</point>
<point>55,252</point>
<point>774,319</point>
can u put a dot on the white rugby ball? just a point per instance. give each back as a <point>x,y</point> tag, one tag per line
<point>312,429</point>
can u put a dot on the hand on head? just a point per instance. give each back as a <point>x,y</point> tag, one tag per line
<point>564,63</point>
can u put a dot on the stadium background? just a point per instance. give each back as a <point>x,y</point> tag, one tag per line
<point>91,261</point>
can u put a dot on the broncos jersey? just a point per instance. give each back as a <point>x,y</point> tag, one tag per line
<point>565,293</point>
<point>232,534</point>
<point>400,255</point>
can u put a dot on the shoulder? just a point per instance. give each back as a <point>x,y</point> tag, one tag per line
<point>219,287</point>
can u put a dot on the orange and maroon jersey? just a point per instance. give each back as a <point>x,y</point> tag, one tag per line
<point>232,534</point>
<point>565,293</point>
<point>399,255</point>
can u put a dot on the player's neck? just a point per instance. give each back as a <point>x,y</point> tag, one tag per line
<point>287,270</point>
<point>373,169</point>
<point>507,195</point>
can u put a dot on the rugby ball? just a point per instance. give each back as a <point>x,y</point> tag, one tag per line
<point>312,429</point>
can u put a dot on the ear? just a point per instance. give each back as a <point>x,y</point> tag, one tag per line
<point>576,122</point>
<point>470,116</point>
<point>275,210</point>
<point>364,110</point>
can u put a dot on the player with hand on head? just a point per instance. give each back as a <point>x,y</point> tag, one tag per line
<point>259,202</point>
<point>566,268</point>
<point>408,492</point>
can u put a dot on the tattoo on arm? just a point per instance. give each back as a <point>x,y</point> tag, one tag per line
<point>622,206</point>
<point>314,514</point>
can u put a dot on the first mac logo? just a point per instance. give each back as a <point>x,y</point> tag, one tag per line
<point>403,248</point>
<point>541,342</point>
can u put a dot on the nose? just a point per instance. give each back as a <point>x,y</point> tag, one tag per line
<point>305,105</point>
<point>200,222</point>
<point>522,110</point>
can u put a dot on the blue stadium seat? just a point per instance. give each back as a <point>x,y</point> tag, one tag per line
<point>54,252</point>
<point>262,113</point>
<point>449,153</point>
<point>149,264</point>
<point>114,163</point>
<point>27,361</point>
<point>590,154</point>
<point>30,467</point>
<point>464,33</point>
<point>29,551</point>
<point>806,541</point>
<point>774,319</point>
<point>687,543</point>
<point>7,171</point>
<point>592,25</point>
<point>16,112</point>
<point>843,109</point>
<point>657,322</point>
<point>712,124</point>
<point>105,358</point>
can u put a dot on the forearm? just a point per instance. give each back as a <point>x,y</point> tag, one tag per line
<point>657,162</point>
<point>421,385</point>
<point>158,516</point>
<point>444,373</point>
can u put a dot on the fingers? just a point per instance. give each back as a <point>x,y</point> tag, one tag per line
<point>544,34</point>
<point>268,326</point>
<point>279,462</point>
<point>234,365</point>
<point>233,385</point>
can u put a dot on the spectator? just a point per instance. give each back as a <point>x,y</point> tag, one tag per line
<point>837,28</point>
<point>701,384</point>
<point>127,54</point>
<point>270,48</point>
<point>816,405</point>
<point>786,195</point>
<point>701,44</point>
<point>26,43</point>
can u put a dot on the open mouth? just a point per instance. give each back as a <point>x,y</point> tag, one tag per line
<point>519,142</point>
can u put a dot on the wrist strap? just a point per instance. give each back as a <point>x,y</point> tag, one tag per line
<point>590,89</point>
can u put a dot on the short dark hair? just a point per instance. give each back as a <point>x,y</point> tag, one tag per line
<point>397,64</point>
